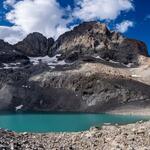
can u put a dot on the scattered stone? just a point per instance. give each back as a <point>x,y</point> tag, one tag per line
<point>111,138</point>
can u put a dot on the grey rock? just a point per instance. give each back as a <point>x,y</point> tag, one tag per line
<point>9,54</point>
<point>98,92</point>
<point>35,44</point>
<point>32,97</point>
<point>95,39</point>
<point>103,138</point>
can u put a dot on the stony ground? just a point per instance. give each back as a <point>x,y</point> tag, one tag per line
<point>127,137</point>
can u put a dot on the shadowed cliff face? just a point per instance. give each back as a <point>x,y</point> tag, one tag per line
<point>35,44</point>
<point>94,39</point>
<point>9,54</point>
<point>32,97</point>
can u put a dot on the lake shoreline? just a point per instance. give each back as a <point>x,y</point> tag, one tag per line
<point>131,110</point>
<point>43,123</point>
<point>125,137</point>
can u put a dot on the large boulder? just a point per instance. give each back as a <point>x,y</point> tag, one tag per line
<point>35,44</point>
<point>95,39</point>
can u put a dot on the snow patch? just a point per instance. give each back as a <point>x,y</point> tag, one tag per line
<point>114,62</point>
<point>50,61</point>
<point>10,66</point>
<point>19,107</point>
<point>135,76</point>
<point>111,61</point>
<point>98,57</point>
<point>129,65</point>
<point>25,86</point>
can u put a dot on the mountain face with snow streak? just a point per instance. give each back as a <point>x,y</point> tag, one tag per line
<point>95,39</point>
<point>88,40</point>
<point>88,69</point>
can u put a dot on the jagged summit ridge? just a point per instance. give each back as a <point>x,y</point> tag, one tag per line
<point>35,44</point>
<point>87,40</point>
<point>9,54</point>
<point>96,40</point>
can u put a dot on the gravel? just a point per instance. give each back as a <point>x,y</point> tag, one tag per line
<point>126,137</point>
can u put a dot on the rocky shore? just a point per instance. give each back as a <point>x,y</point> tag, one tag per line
<point>131,109</point>
<point>108,137</point>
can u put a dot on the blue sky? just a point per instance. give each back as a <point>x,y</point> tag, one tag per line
<point>132,18</point>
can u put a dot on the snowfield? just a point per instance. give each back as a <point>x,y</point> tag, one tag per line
<point>50,61</point>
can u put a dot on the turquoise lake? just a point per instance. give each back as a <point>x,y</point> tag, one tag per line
<point>42,123</point>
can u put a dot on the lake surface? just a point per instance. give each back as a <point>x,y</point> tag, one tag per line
<point>60,122</point>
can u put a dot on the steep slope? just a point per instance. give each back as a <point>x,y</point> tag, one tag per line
<point>8,54</point>
<point>100,87</point>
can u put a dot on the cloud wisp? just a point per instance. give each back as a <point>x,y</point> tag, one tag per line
<point>147,17</point>
<point>124,26</point>
<point>41,16</point>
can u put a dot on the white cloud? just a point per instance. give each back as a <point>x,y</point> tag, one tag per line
<point>11,34</point>
<point>47,16</point>
<point>124,26</point>
<point>44,16</point>
<point>147,17</point>
<point>101,9</point>
<point>9,3</point>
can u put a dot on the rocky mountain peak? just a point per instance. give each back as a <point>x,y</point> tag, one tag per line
<point>94,39</point>
<point>35,44</point>
<point>34,35</point>
<point>87,35</point>
<point>5,45</point>
<point>87,40</point>
<point>92,26</point>
<point>8,54</point>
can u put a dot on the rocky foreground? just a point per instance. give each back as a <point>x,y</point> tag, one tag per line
<point>126,137</point>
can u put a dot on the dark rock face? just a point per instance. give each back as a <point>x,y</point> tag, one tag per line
<point>36,89</point>
<point>98,92</point>
<point>94,39</point>
<point>16,90</point>
<point>5,46</point>
<point>8,53</point>
<point>32,97</point>
<point>35,44</point>
<point>129,51</point>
